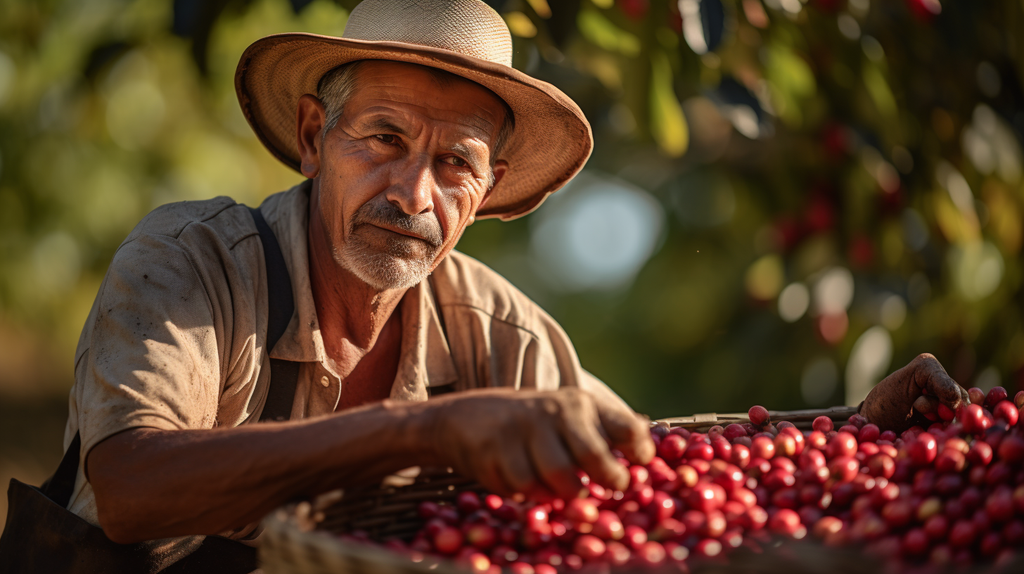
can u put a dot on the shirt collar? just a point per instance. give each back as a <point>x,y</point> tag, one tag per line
<point>425,359</point>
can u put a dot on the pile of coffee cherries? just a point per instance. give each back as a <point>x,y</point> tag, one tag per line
<point>947,495</point>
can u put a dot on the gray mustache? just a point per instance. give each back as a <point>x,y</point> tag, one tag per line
<point>385,214</point>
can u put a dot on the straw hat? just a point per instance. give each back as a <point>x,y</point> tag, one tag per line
<point>552,138</point>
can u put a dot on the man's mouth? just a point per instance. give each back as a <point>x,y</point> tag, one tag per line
<point>386,217</point>
<point>428,239</point>
<point>401,232</point>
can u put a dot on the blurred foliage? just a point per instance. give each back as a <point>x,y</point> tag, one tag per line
<point>806,193</point>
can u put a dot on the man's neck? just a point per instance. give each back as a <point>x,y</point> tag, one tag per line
<point>351,313</point>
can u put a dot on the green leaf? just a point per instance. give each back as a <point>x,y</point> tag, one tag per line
<point>790,82</point>
<point>790,73</point>
<point>879,90</point>
<point>605,34</point>
<point>668,124</point>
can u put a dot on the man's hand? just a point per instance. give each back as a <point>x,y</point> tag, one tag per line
<point>921,385</point>
<point>533,442</point>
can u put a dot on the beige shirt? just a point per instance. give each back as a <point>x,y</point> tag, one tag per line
<point>176,337</point>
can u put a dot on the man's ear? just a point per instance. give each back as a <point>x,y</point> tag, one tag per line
<point>499,169</point>
<point>310,117</point>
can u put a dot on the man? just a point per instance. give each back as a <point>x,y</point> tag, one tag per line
<point>418,126</point>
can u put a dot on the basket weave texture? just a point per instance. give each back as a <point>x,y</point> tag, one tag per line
<point>303,538</point>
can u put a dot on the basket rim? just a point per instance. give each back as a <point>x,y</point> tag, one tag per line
<point>283,524</point>
<point>723,419</point>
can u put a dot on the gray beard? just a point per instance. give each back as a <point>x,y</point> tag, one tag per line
<point>394,267</point>
<point>383,270</point>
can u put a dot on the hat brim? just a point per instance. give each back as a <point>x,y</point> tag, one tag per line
<point>550,144</point>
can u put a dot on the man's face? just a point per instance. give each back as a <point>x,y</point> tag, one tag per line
<point>404,170</point>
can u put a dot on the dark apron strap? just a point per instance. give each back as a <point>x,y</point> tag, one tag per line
<point>444,389</point>
<point>284,374</point>
<point>60,487</point>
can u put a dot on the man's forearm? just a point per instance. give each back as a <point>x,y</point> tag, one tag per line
<point>154,484</point>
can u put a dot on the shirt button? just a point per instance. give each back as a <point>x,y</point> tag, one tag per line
<point>324,381</point>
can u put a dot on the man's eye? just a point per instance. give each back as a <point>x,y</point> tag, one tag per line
<point>456,161</point>
<point>387,138</point>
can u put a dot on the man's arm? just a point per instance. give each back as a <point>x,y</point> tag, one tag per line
<point>154,484</point>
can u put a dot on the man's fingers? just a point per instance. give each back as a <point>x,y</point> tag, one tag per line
<point>489,475</point>
<point>594,457</point>
<point>926,405</point>
<point>517,470</point>
<point>554,465</point>
<point>933,379</point>
<point>946,389</point>
<point>628,432</point>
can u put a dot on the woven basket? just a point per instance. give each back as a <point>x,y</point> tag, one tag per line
<point>303,538</point>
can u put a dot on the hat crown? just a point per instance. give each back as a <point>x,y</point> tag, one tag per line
<point>467,27</point>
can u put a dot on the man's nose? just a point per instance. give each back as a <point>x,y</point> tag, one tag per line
<point>413,189</point>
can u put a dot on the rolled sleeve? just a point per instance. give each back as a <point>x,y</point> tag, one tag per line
<point>152,359</point>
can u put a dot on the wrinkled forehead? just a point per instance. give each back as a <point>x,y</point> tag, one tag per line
<point>438,92</point>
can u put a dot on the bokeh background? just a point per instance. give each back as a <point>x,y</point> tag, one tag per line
<point>787,200</point>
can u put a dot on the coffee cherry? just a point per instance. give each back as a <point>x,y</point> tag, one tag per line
<point>822,424</point>
<point>1013,533</point>
<point>1006,411</point>
<point>868,433</point>
<point>976,395</point>
<point>757,517</point>
<point>785,521</point>
<point>521,568</point>
<point>427,509</point>
<point>687,475</point>
<point>473,560</point>
<point>972,417</point>
<point>816,439</point>
<point>708,548</point>
<point>448,540</point>
<point>482,536</point>
<point>1011,449</point>
<point>950,460</point>
<point>962,533</point>
<point>850,429</point>
<point>616,553</point>
<point>672,447</point>
<point>923,450</point>
<point>995,394</point>
<point>634,537</point>
<point>758,415</point>
<point>468,502</point>
<point>722,448</point>
<point>734,431</point>
<point>700,451</point>
<point>608,526</point>
<point>881,465</point>
<point>785,445</point>
<point>945,413</point>
<point>999,504</point>
<point>843,468</point>
<point>740,455</point>
<point>589,547</point>
<point>582,510</point>
<point>762,447</point>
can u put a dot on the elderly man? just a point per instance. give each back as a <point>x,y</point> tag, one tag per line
<point>418,127</point>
